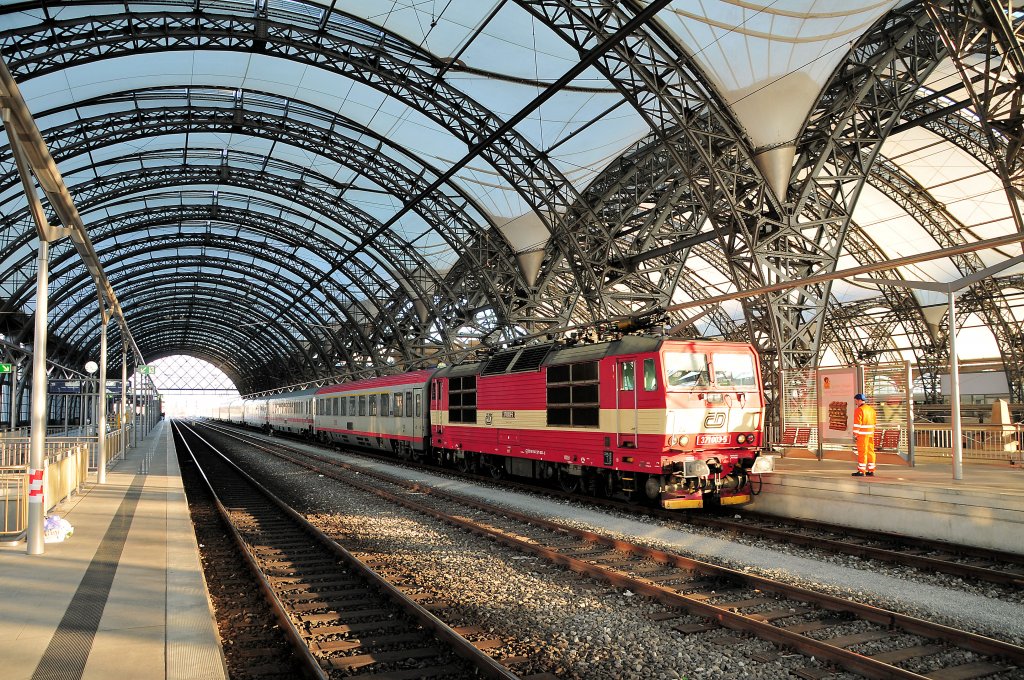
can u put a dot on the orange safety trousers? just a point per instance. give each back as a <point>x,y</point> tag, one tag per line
<point>866,453</point>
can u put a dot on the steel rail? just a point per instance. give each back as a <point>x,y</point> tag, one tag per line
<point>820,649</point>
<point>460,645</point>
<point>298,644</point>
<point>920,562</point>
<point>923,562</point>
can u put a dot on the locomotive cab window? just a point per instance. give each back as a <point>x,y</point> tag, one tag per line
<point>650,376</point>
<point>627,379</point>
<point>686,371</point>
<point>734,370</point>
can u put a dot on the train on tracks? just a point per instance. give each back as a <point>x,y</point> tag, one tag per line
<point>678,422</point>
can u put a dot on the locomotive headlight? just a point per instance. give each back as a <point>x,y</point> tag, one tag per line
<point>684,440</point>
<point>741,439</point>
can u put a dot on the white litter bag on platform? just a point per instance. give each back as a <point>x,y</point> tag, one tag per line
<point>56,529</point>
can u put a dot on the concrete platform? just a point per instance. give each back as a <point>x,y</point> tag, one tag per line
<point>125,596</point>
<point>985,508</point>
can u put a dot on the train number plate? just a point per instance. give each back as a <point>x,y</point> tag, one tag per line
<point>704,439</point>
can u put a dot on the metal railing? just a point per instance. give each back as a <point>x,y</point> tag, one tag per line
<point>981,442</point>
<point>13,508</point>
<point>68,462</point>
<point>65,468</point>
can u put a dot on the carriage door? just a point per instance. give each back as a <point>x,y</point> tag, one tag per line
<point>417,423</point>
<point>626,412</point>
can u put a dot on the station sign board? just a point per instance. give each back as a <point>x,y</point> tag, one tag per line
<point>75,386</point>
<point>6,368</point>
<point>146,370</point>
<point>64,387</point>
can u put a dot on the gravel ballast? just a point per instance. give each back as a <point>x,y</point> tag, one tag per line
<point>602,632</point>
<point>949,603</point>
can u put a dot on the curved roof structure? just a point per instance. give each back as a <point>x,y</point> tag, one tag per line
<point>300,190</point>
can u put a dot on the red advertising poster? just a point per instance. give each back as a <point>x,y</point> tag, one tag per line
<point>836,387</point>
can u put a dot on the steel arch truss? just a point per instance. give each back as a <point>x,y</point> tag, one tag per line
<point>983,39</point>
<point>422,296</point>
<point>622,247</point>
<point>346,46</point>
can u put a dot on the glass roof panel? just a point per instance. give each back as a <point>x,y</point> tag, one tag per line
<point>439,27</point>
<point>769,59</point>
<point>975,340</point>
<point>889,226</point>
<point>848,291</point>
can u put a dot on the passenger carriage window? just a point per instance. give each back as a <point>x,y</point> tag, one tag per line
<point>419,405</point>
<point>335,405</point>
<point>384,412</point>
<point>627,381</point>
<point>351,406</point>
<point>373,404</point>
<point>362,404</point>
<point>408,404</point>
<point>398,405</point>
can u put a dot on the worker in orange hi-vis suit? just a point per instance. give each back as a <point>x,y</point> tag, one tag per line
<point>864,419</point>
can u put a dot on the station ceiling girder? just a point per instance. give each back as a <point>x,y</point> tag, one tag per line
<point>342,215</point>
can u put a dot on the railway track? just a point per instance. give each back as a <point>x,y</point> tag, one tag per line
<point>970,563</point>
<point>254,647</point>
<point>341,618</point>
<point>698,597</point>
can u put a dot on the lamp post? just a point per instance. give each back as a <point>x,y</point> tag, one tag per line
<point>90,408</point>
<point>951,290</point>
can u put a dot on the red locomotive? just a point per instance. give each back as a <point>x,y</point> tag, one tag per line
<point>673,421</point>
